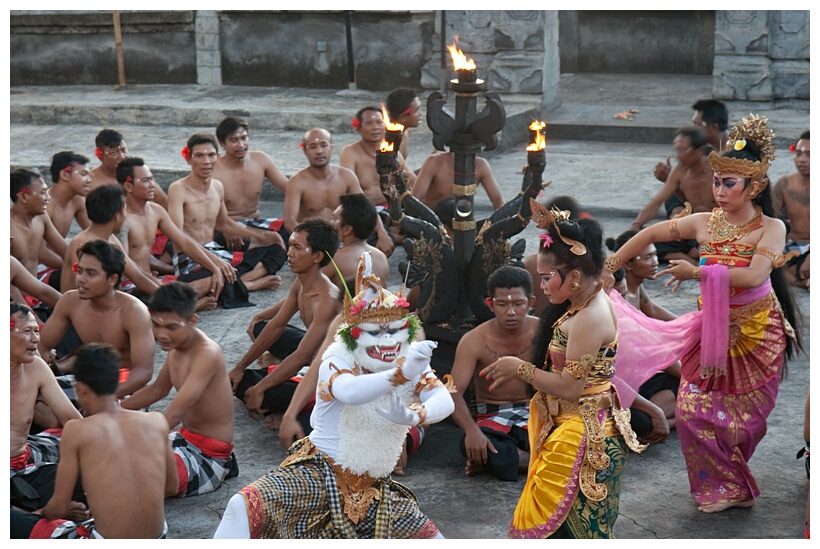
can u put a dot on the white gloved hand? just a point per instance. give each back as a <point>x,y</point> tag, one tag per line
<point>398,413</point>
<point>418,358</point>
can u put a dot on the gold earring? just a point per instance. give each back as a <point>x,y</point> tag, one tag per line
<point>574,286</point>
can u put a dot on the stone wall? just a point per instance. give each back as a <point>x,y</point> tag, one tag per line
<point>761,55</point>
<point>76,47</point>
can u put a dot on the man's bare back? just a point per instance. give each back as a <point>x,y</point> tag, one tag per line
<point>347,260</point>
<point>435,180</point>
<point>123,459</point>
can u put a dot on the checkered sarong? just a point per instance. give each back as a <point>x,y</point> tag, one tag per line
<point>87,530</point>
<point>184,265</point>
<point>501,417</point>
<point>301,500</point>
<point>44,449</point>
<point>269,224</point>
<point>205,473</point>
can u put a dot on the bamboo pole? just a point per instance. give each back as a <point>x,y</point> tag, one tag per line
<point>118,45</point>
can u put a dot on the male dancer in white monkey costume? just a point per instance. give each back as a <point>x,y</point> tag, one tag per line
<point>374,382</point>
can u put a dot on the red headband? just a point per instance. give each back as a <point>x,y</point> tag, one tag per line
<point>186,153</point>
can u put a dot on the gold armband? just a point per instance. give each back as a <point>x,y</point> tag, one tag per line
<point>778,260</point>
<point>428,382</point>
<point>325,388</point>
<point>418,407</point>
<point>612,263</point>
<point>696,273</point>
<point>525,372</point>
<point>398,378</point>
<point>673,228</point>
<point>579,368</point>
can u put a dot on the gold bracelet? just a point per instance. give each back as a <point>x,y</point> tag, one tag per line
<point>525,372</point>
<point>696,273</point>
<point>673,228</point>
<point>398,377</point>
<point>612,263</point>
<point>420,410</point>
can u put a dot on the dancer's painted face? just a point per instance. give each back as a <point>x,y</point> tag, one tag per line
<point>379,345</point>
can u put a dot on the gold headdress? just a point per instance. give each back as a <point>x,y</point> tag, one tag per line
<point>754,128</point>
<point>372,303</point>
<point>544,218</point>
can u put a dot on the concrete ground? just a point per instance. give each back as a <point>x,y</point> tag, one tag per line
<point>606,164</point>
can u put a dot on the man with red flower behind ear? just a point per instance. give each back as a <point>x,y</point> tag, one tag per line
<point>791,200</point>
<point>374,382</point>
<point>110,150</point>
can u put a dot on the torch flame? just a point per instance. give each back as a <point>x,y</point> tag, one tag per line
<point>540,140</point>
<point>388,125</point>
<point>386,147</point>
<point>460,61</point>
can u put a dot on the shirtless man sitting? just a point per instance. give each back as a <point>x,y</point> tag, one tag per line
<point>33,457</point>
<point>312,295</point>
<point>106,210</point>
<point>71,183</point>
<point>242,173</point>
<point>142,220</point>
<point>110,151</point>
<point>791,199</point>
<point>360,158</point>
<point>196,203</point>
<point>314,191</point>
<point>691,181</point>
<point>32,229</point>
<point>354,220</point>
<point>100,313</point>
<point>123,457</point>
<point>496,441</point>
<point>203,403</point>
<point>434,185</point>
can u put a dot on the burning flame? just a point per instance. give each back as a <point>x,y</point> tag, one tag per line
<point>540,141</point>
<point>460,61</point>
<point>386,147</point>
<point>388,125</point>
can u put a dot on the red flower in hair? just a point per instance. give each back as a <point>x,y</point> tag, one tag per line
<point>356,309</point>
<point>128,179</point>
<point>12,323</point>
<point>355,331</point>
<point>546,240</point>
<point>68,169</point>
<point>98,152</point>
<point>356,123</point>
<point>793,147</point>
<point>186,153</point>
<point>75,267</point>
<point>301,145</point>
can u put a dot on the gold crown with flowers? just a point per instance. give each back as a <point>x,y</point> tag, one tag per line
<point>754,128</point>
<point>372,303</point>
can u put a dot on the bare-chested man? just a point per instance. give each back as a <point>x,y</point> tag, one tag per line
<point>691,181</point>
<point>791,199</point>
<point>404,107</point>
<point>71,183</point>
<point>33,457</point>
<point>31,227</point>
<point>360,158</point>
<point>203,403</point>
<point>434,185</point>
<point>196,203</point>
<point>100,313</point>
<point>242,173</point>
<point>123,457</point>
<point>314,297</point>
<point>142,220</point>
<point>314,191</point>
<point>106,210</point>
<point>496,441</point>
<point>111,149</point>
<point>354,220</point>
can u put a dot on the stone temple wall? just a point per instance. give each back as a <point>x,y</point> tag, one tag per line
<point>761,55</point>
